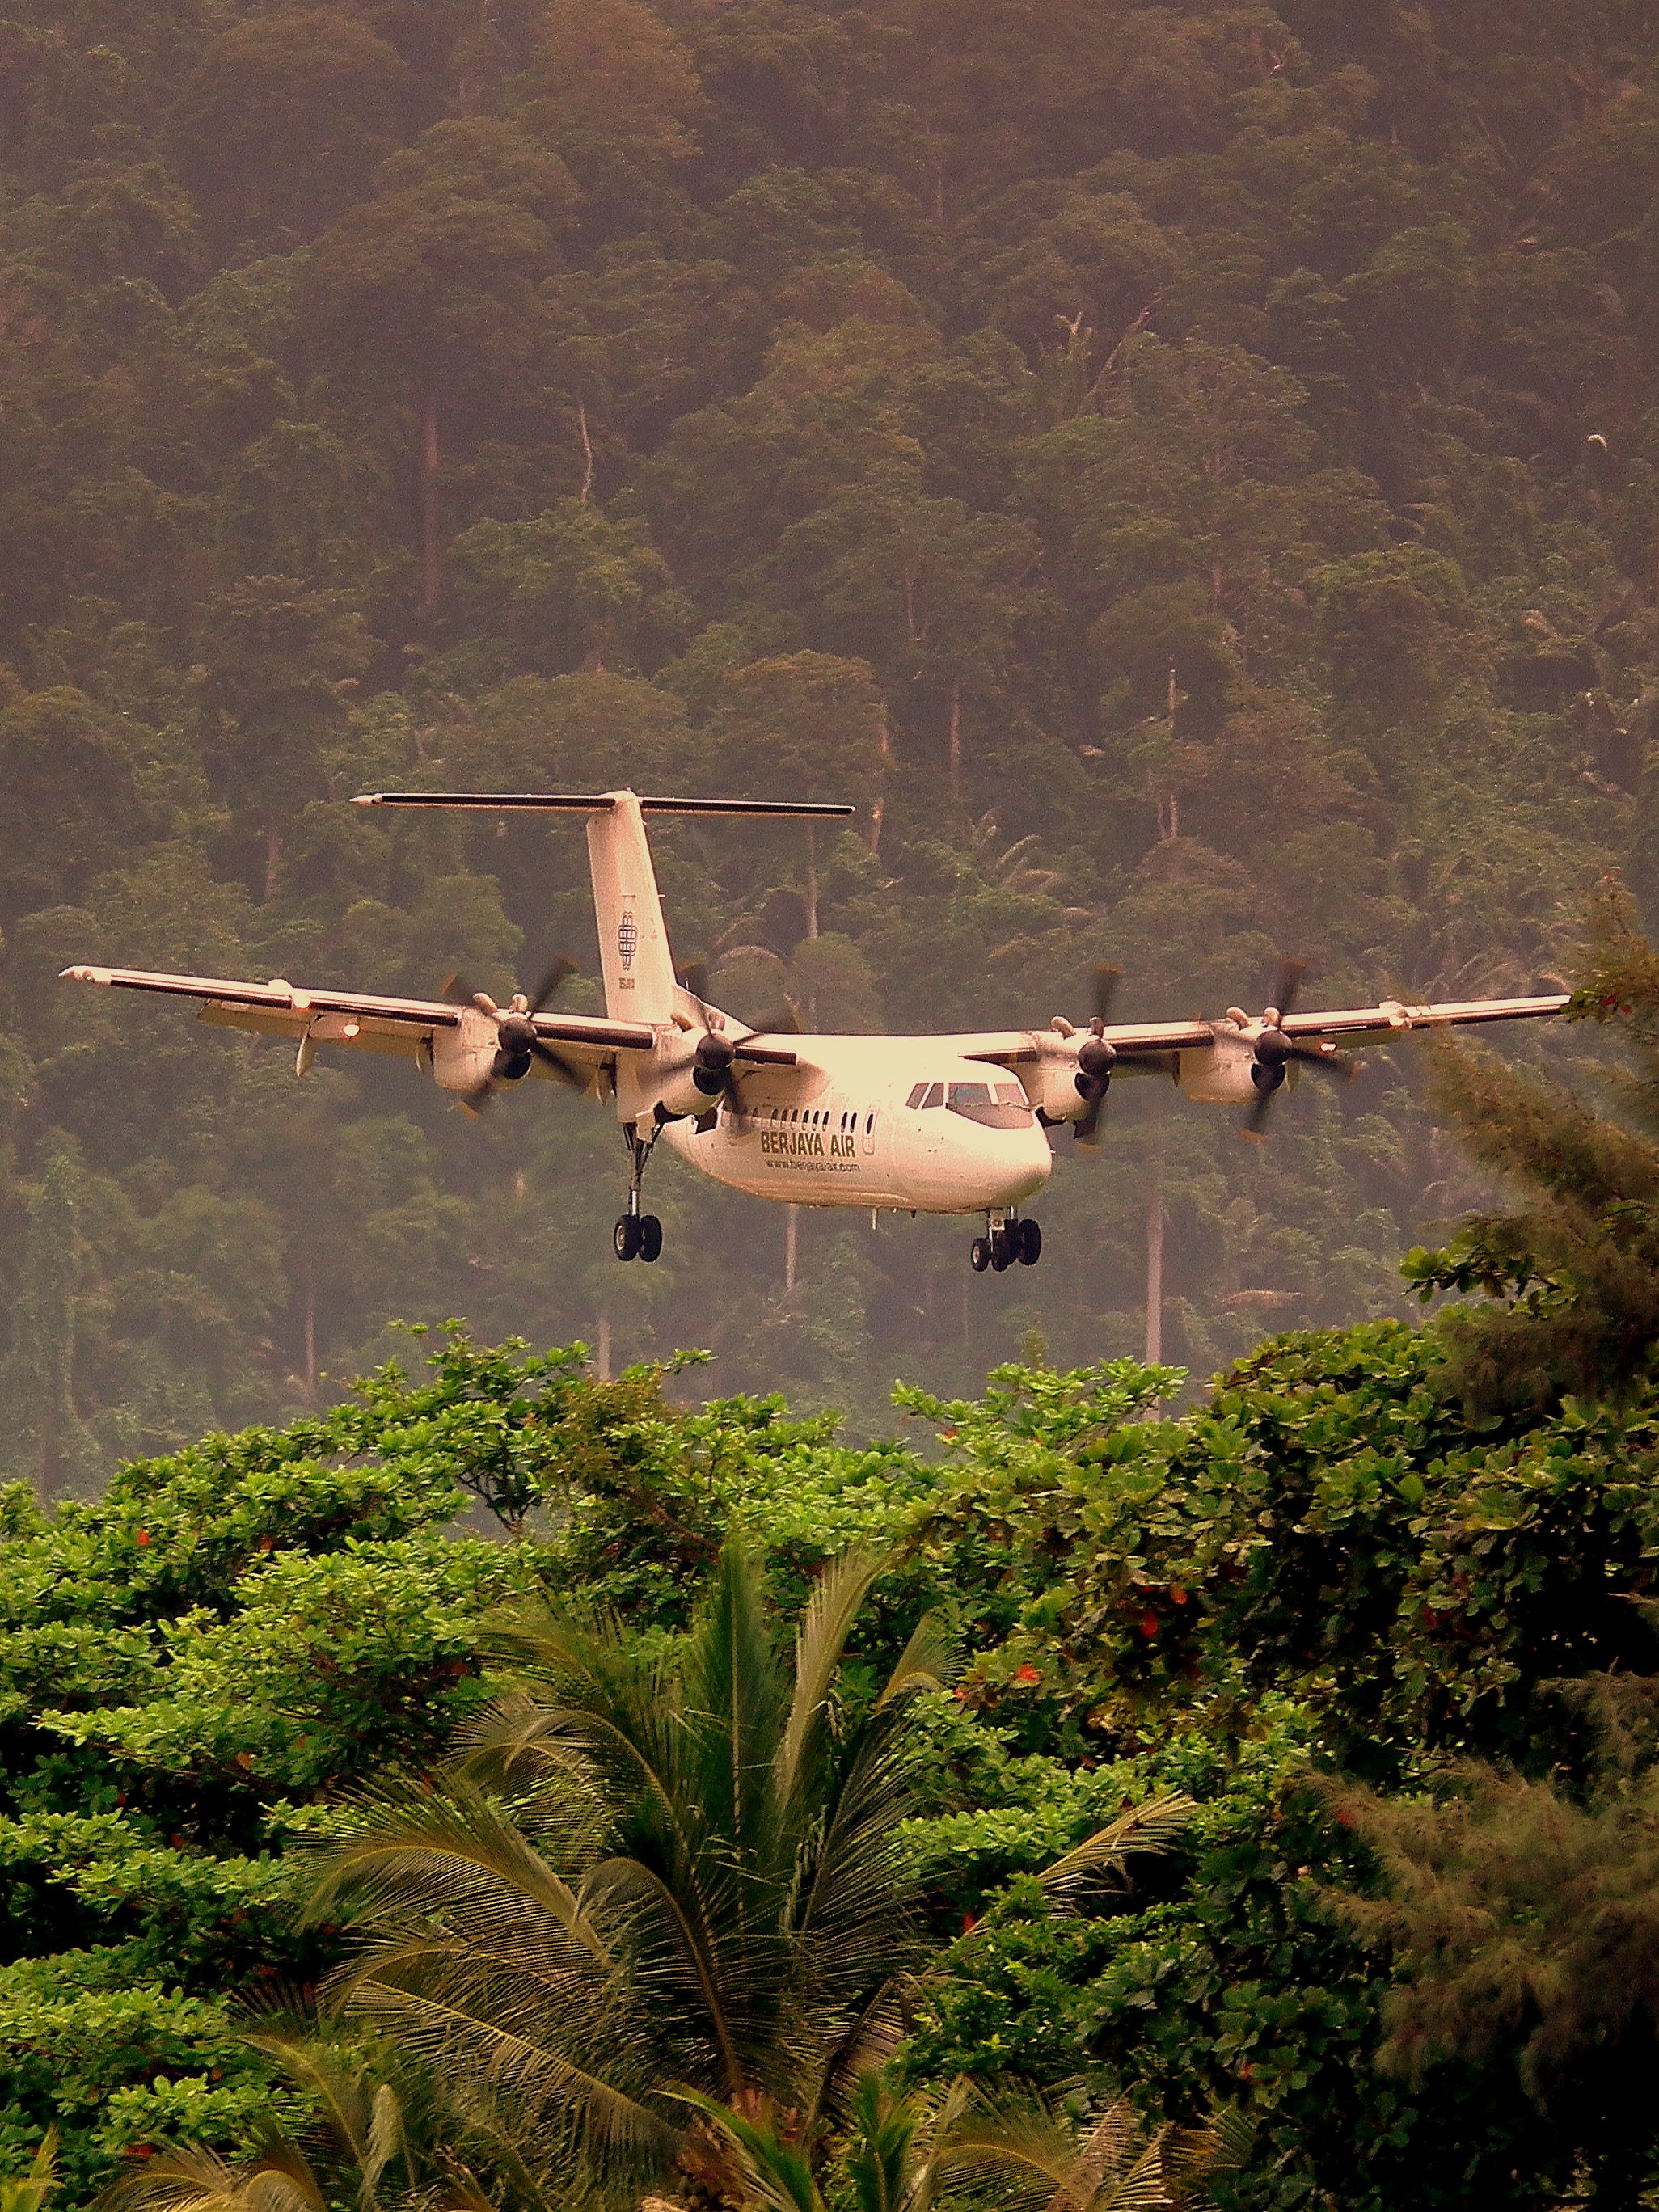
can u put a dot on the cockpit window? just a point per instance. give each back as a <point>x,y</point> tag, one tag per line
<point>935,1095</point>
<point>1007,1110</point>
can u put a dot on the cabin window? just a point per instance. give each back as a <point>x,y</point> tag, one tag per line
<point>869,1123</point>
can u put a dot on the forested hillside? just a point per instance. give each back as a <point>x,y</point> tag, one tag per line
<point>1191,473</point>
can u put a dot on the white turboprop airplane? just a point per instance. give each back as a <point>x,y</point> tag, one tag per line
<point>912,1124</point>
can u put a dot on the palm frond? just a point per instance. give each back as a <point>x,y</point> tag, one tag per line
<point>837,1596</point>
<point>928,1660</point>
<point>27,2192</point>
<point>385,2142</point>
<point>735,1703</point>
<point>1148,1830</point>
<point>425,1854</point>
<point>775,2175</point>
<point>189,2178</point>
<point>1194,2157</point>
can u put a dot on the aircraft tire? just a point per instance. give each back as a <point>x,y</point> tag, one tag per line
<point>650,1238</point>
<point>978,1254</point>
<point>1030,1243</point>
<point>625,1236</point>
<point>1002,1250</point>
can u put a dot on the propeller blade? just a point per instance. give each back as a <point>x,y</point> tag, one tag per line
<point>455,990</point>
<point>1255,1123</point>
<point>1287,986</point>
<point>1104,982</point>
<point>693,976</point>
<point>561,1068</point>
<point>785,1021</point>
<point>553,982</point>
<point>1094,1061</point>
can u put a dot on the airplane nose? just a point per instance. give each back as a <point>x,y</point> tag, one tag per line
<point>1016,1162</point>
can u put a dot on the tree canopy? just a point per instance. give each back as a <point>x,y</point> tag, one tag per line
<point>1188,475</point>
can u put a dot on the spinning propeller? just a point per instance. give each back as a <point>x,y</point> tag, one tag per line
<point>516,1041</point>
<point>711,1063</point>
<point>1275,1050</point>
<point>1095,1059</point>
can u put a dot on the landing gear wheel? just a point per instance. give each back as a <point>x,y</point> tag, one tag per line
<point>978,1254</point>
<point>626,1236</point>
<point>1030,1243</point>
<point>650,1229</point>
<point>1002,1250</point>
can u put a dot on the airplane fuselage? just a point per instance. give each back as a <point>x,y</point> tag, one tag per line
<point>900,1123</point>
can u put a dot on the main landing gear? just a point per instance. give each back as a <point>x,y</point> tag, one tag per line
<point>637,1235</point>
<point>1005,1241</point>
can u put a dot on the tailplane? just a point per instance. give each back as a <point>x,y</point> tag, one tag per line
<point>639,968</point>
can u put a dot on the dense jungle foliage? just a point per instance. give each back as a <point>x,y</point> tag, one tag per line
<point>1189,470</point>
<point>1328,1568</point>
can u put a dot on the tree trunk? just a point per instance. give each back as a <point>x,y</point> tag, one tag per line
<point>811,882</point>
<point>1153,1353</point>
<point>273,859</point>
<point>310,1320</point>
<point>588,450</point>
<point>956,741</point>
<point>602,1353</point>
<point>878,805</point>
<point>791,1247</point>
<point>431,572</point>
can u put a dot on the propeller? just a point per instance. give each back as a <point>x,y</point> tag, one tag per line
<point>517,1044</point>
<point>1095,1059</point>
<point>1275,1050</point>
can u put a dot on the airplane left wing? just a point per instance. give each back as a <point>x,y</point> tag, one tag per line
<point>585,1045</point>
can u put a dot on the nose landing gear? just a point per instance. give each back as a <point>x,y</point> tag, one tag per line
<point>1007,1239</point>
<point>637,1235</point>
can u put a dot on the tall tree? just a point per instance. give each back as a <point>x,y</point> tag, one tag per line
<point>47,1443</point>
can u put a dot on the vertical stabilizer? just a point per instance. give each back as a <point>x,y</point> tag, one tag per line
<point>638,970</point>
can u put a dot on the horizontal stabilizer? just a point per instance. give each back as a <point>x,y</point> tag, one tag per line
<point>576,802</point>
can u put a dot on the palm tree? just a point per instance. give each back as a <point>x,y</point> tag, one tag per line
<point>363,2146</point>
<point>27,2192</point>
<point>912,2153</point>
<point>658,1881</point>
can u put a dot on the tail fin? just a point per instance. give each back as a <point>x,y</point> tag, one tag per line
<point>639,969</point>
<point>639,972</point>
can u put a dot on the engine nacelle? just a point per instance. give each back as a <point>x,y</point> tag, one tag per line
<point>464,1057</point>
<point>1223,1073</point>
<point>1052,1084</point>
<point>693,1085</point>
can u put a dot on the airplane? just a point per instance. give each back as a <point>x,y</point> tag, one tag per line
<point>946,1125</point>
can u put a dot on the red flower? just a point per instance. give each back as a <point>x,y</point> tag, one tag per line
<point>142,1536</point>
<point>1028,1673</point>
<point>1149,1626</point>
<point>1177,1595</point>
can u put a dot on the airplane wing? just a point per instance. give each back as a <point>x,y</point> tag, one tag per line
<point>585,1045</point>
<point>1393,1017</point>
<point>1133,1041</point>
